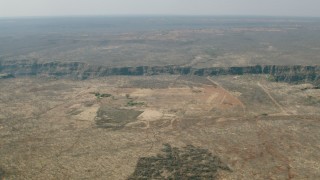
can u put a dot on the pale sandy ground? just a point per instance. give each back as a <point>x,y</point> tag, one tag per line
<point>51,134</point>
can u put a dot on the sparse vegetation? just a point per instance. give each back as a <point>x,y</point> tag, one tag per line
<point>2,174</point>
<point>188,163</point>
<point>310,100</point>
<point>270,78</point>
<point>100,96</point>
<point>135,103</point>
<point>114,118</point>
<point>113,131</point>
<point>52,128</point>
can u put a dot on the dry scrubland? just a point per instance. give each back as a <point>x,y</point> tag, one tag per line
<point>161,126</point>
<point>224,127</point>
<point>157,41</point>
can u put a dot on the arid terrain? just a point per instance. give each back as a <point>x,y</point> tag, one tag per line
<point>106,128</point>
<point>160,98</point>
<point>151,41</point>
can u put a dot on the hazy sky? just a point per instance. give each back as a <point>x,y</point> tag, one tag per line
<point>159,7</point>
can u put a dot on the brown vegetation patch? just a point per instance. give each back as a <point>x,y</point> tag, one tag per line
<point>173,163</point>
<point>113,118</point>
<point>2,173</point>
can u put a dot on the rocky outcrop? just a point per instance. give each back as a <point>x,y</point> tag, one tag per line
<point>6,76</point>
<point>292,73</point>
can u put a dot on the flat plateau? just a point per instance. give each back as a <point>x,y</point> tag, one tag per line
<point>105,128</point>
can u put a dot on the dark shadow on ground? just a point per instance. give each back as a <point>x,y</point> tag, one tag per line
<point>115,119</point>
<point>188,163</point>
<point>1,174</point>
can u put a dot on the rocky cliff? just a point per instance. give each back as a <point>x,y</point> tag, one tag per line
<point>292,73</point>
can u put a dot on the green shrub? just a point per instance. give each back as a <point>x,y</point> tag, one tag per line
<point>133,103</point>
<point>99,96</point>
<point>270,78</point>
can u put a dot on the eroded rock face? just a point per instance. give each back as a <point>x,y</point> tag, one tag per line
<point>6,76</point>
<point>292,73</point>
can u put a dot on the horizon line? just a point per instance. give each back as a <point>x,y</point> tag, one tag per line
<point>158,15</point>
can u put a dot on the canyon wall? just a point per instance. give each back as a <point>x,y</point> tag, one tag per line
<point>290,73</point>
